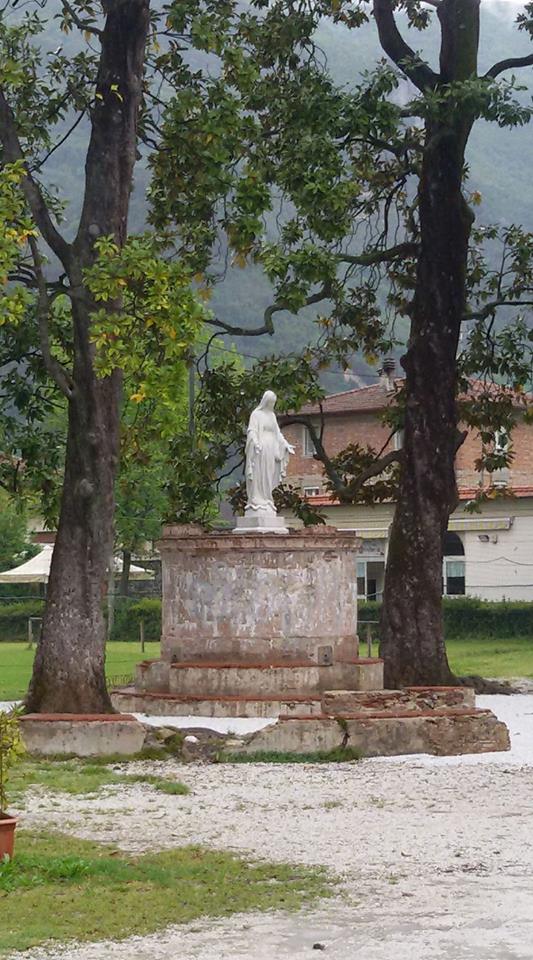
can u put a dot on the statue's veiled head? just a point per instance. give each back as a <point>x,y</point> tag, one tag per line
<point>268,400</point>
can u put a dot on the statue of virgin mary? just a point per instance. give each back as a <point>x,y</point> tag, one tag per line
<point>267,456</point>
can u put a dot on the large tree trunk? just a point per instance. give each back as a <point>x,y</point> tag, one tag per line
<point>412,641</point>
<point>68,675</point>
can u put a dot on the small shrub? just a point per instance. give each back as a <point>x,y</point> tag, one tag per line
<point>128,615</point>
<point>11,749</point>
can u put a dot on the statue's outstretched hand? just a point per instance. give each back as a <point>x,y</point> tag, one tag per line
<point>290,447</point>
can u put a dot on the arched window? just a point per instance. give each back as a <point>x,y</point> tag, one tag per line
<point>453,545</point>
<point>453,569</point>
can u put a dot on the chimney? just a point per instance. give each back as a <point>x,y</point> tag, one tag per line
<point>387,373</point>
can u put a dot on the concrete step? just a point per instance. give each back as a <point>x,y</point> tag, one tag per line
<point>341,703</point>
<point>152,675</point>
<point>174,705</point>
<point>275,679</point>
<point>383,734</point>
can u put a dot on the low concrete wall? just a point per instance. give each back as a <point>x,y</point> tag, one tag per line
<point>437,733</point>
<point>82,735</point>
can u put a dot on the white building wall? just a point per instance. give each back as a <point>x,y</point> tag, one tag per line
<point>502,566</point>
<point>496,569</point>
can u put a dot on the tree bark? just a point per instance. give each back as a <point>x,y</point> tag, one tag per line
<point>125,575</point>
<point>68,674</point>
<point>412,639</point>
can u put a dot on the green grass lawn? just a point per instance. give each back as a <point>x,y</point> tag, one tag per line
<point>79,776</point>
<point>16,661</point>
<point>487,657</point>
<point>511,657</point>
<point>59,888</point>
<point>492,658</point>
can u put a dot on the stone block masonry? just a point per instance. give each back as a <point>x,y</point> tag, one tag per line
<point>436,732</point>
<point>265,625</point>
<point>258,597</point>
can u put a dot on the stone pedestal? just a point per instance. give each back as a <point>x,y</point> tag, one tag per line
<point>258,597</point>
<point>264,624</point>
<point>261,523</point>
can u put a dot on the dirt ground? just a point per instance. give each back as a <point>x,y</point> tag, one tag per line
<point>434,857</point>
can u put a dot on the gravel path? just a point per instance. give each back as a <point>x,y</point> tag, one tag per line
<point>435,856</point>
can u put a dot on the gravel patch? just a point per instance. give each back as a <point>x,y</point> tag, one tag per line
<point>434,855</point>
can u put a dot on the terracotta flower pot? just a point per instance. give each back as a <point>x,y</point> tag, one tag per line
<point>7,835</point>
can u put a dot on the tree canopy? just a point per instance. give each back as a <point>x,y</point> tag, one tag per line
<point>354,201</point>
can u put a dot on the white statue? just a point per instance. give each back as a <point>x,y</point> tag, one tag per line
<point>267,456</point>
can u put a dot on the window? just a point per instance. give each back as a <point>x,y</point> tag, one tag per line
<point>308,445</point>
<point>453,571</point>
<point>398,439</point>
<point>311,491</point>
<point>500,476</point>
<point>454,578</point>
<point>361,579</point>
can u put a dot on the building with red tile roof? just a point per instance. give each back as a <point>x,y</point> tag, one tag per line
<point>489,553</point>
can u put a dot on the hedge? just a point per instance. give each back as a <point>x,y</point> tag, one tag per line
<point>466,617</point>
<point>14,618</point>
<point>128,614</point>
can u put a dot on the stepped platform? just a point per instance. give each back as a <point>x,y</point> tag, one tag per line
<point>265,626</point>
<point>285,677</point>
<point>173,705</point>
<point>328,703</point>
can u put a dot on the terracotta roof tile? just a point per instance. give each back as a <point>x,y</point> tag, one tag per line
<point>377,396</point>
<point>465,493</point>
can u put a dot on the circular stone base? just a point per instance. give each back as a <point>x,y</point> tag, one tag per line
<point>259,597</point>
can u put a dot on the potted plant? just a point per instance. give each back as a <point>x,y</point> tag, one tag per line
<point>11,749</point>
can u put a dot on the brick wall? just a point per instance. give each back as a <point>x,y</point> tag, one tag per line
<point>366,429</point>
<point>339,431</point>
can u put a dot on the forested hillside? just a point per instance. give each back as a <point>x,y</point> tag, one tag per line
<point>499,164</point>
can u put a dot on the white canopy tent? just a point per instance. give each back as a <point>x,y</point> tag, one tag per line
<point>37,570</point>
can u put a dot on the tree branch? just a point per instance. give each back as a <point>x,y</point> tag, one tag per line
<point>319,448</point>
<point>374,470</point>
<point>489,308</point>
<point>55,369</point>
<point>268,323</point>
<point>85,25</point>
<point>34,198</point>
<point>512,63</point>
<point>399,51</point>
<point>345,491</point>
<point>60,142</point>
<point>381,256</point>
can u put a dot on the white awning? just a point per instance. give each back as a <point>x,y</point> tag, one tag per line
<point>368,533</point>
<point>37,570</point>
<point>480,523</point>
